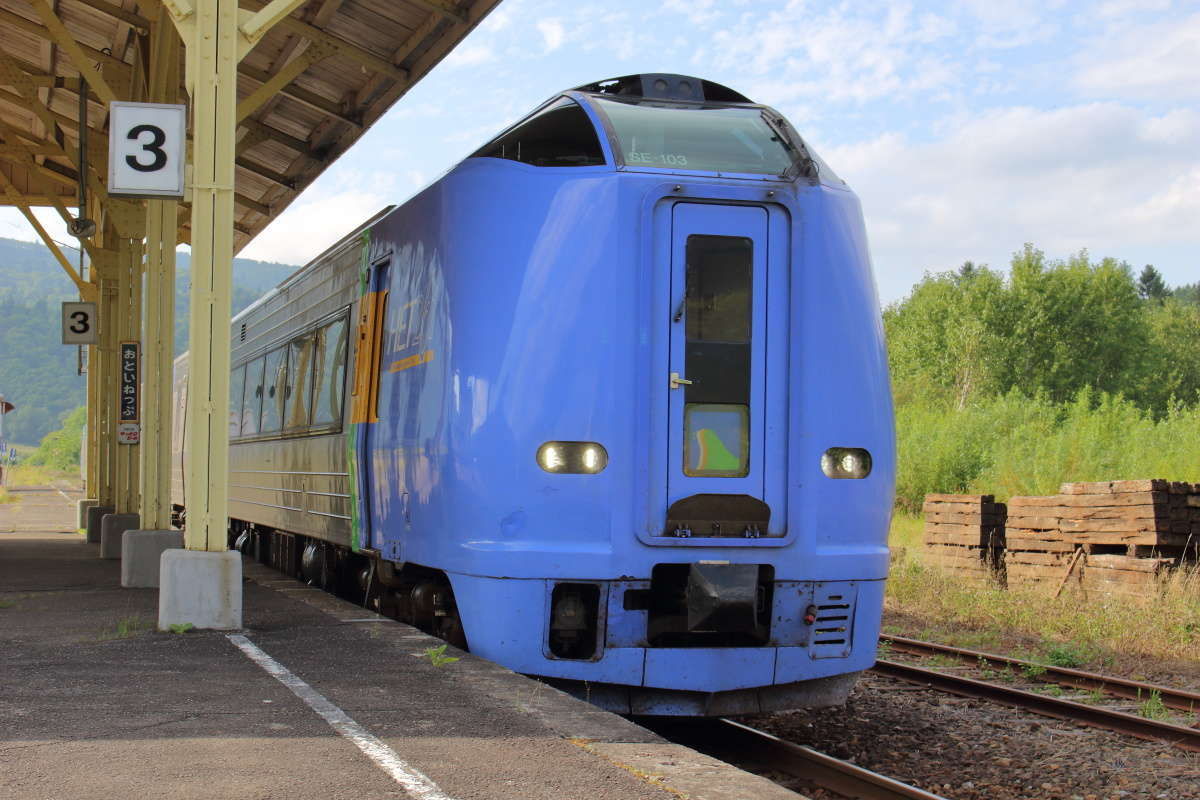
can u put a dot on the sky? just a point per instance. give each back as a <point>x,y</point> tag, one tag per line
<point>967,128</point>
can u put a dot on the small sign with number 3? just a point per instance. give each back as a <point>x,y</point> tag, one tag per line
<point>147,144</point>
<point>79,323</point>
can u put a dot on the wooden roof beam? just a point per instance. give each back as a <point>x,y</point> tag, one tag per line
<point>137,21</point>
<point>58,33</point>
<point>347,49</point>
<point>443,8</point>
<point>277,178</point>
<point>282,78</point>
<point>100,57</point>
<point>265,131</point>
<point>300,95</point>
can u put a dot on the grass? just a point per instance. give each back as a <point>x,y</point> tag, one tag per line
<point>1065,630</point>
<point>127,628</point>
<point>34,475</point>
<point>6,497</point>
<point>7,603</point>
<point>1153,707</point>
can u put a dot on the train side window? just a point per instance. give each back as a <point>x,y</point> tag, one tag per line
<point>274,385</point>
<point>330,374</point>
<point>252,400</point>
<point>237,383</point>
<point>297,394</point>
<point>560,135</point>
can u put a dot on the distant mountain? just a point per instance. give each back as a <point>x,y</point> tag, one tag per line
<point>37,373</point>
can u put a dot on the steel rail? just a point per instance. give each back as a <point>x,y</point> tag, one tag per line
<point>1178,699</point>
<point>809,765</point>
<point>1118,721</point>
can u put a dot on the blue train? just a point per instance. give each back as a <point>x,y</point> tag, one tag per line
<point>608,403</point>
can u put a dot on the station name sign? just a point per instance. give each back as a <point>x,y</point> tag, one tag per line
<point>128,429</point>
<point>147,146</point>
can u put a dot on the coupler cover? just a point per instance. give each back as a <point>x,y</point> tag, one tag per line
<point>722,598</point>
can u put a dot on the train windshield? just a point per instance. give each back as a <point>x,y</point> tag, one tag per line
<point>702,138</point>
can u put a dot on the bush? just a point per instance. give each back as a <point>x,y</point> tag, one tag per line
<point>1017,445</point>
<point>59,449</point>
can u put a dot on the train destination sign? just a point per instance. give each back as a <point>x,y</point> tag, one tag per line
<point>146,149</point>
<point>128,430</point>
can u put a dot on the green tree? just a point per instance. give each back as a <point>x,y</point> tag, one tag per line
<point>1151,285</point>
<point>60,449</point>
<point>1188,293</point>
<point>1074,324</point>
<point>943,337</point>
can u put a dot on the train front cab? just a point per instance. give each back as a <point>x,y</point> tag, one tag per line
<point>760,554</point>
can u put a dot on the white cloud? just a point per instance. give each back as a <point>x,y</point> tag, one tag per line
<point>1160,60</point>
<point>470,55</point>
<point>313,223</point>
<point>553,34</point>
<point>842,53</point>
<point>1101,176</point>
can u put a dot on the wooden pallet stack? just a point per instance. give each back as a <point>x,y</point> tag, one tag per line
<point>1133,532</point>
<point>1106,537</point>
<point>1036,553</point>
<point>964,534</point>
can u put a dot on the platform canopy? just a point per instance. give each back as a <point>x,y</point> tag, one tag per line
<point>321,73</point>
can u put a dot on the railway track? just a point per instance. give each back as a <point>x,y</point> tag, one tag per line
<point>1058,708</point>
<point>759,751</point>
<point>1178,699</point>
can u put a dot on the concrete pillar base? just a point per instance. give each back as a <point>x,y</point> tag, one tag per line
<point>202,588</point>
<point>141,553</point>
<point>83,506</point>
<point>95,515</point>
<point>112,528</point>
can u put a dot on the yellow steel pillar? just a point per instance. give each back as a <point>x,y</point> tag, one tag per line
<point>157,357</point>
<point>129,301</point>
<point>106,381</point>
<point>158,339</point>
<point>213,57</point>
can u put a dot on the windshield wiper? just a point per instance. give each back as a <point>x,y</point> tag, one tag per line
<point>802,162</point>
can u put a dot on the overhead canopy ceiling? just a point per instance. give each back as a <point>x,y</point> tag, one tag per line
<point>306,91</point>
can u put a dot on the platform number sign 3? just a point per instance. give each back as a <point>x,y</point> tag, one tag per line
<point>79,323</point>
<point>146,149</point>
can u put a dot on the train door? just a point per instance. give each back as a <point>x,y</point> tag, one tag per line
<point>726,437</point>
<point>368,351</point>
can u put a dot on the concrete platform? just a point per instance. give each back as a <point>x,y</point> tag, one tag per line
<point>98,704</point>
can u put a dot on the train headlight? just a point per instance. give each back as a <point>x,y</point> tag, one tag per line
<point>846,462</point>
<point>586,458</point>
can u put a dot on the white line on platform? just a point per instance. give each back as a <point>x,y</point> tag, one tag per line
<point>413,781</point>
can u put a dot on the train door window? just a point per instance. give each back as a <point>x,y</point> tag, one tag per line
<point>274,385</point>
<point>252,397</point>
<point>329,374</point>
<point>560,135</point>
<point>717,358</point>
<point>237,384</point>
<point>297,394</point>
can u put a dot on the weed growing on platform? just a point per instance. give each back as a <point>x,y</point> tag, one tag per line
<point>7,603</point>
<point>180,627</point>
<point>437,656</point>
<point>128,627</point>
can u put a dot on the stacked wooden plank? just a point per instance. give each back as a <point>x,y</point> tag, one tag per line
<point>964,534</point>
<point>1036,553</point>
<point>1123,576</point>
<point>1145,517</point>
<point>1126,534</point>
